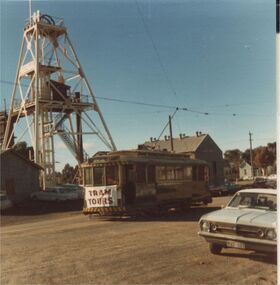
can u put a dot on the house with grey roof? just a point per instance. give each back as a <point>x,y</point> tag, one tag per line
<point>201,146</point>
<point>247,172</point>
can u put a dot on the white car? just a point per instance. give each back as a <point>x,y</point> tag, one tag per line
<point>55,194</point>
<point>247,222</point>
<point>6,203</point>
<point>74,187</point>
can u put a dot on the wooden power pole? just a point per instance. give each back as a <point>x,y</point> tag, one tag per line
<point>251,154</point>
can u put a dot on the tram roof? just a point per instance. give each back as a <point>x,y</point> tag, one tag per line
<point>141,156</point>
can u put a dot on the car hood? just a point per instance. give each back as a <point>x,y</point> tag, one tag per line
<point>243,216</point>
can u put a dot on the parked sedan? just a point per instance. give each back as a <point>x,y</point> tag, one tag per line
<point>247,222</point>
<point>74,187</point>
<point>220,190</point>
<point>55,194</point>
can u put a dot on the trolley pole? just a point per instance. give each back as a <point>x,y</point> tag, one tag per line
<point>171,136</point>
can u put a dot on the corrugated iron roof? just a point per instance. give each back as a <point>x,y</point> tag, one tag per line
<point>184,144</point>
<point>3,152</point>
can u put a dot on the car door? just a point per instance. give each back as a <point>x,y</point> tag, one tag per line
<point>61,195</point>
<point>51,195</point>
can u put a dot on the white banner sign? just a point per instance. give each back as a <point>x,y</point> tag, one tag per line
<point>101,196</point>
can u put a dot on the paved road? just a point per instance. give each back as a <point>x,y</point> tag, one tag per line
<point>68,248</point>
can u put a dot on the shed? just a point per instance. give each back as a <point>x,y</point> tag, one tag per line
<point>19,176</point>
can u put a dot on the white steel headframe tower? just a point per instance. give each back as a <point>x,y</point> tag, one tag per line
<point>52,96</point>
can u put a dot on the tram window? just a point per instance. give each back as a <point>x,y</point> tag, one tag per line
<point>194,173</point>
<point>87,176</point>
<point>170,173</point>
<point>111,175</point>
<point>206,173</point>
<point>188,173</point>
<point>140,173</point>
<point>200,173</point>
<point>161,172</point>
<point>179,173</point>
<point>98,176</point>
<point>151,174</point>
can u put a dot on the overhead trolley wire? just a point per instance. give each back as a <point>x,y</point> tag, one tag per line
<point>186,109</point>
<point>149,34</point>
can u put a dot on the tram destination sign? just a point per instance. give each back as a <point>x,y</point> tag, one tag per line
<point>101,196</point>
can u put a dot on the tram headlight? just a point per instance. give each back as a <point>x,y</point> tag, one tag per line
<point>205,226</point>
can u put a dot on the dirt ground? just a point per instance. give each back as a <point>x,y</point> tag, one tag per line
<point>56,244</point>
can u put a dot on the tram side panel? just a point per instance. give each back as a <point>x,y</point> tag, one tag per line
<point>141,187</point>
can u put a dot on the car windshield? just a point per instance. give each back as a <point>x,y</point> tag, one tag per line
<point>254,200</point>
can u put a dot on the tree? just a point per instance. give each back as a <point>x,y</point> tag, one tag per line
<point>232,159</point>
<point>272,149</point>
<point>233,155</point>
<point>68,173</point>
<point>22,149</point>
<point>58,177</point>
<point>263,158</point>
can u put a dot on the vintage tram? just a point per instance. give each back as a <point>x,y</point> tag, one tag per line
<point>143,181</point>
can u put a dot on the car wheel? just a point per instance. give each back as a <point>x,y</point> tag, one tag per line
<point>215,248</point>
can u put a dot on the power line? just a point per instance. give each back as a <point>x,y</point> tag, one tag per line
<point>149,34</point>
<point>186,109</point>
<point>237,104</point>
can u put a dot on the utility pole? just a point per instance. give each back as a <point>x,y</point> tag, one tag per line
<point>171,136</point>
<point>251,155</point>
<point>278,94</point>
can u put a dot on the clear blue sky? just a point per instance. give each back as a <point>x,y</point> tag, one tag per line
<point>215,56</point>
